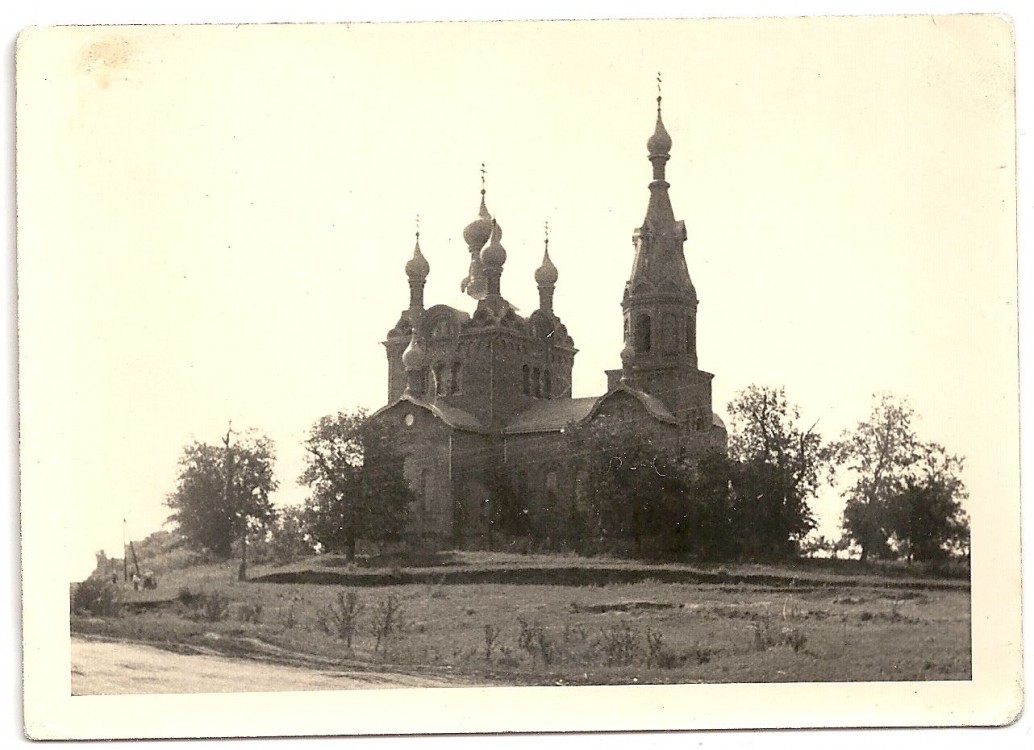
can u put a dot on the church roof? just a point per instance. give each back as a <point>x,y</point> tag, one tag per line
<point>551,415</point>
<point>454,417</point>
<point>653,404</point>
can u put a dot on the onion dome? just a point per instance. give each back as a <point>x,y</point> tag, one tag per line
<point>546,274</point>
<point>417,267</point>
<point>494,255</point>
<point>477,232</point>
<point>413,357</point>
<point>659,144</point>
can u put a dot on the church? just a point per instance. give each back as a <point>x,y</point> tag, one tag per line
<point>479,395</point>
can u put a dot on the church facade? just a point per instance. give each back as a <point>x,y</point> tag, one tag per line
<point>483,395</point>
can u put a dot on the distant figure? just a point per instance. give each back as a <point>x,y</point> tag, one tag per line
<point>150,582</point>
<point>136,582</point>
<point>114,579</point>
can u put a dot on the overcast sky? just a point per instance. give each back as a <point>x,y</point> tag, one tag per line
<point>213,223</point>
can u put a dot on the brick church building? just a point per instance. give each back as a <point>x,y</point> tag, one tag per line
<point>486,394</point>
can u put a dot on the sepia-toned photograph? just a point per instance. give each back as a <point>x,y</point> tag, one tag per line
<point>634,373</point>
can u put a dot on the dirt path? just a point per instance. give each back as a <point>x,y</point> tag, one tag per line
<point>110,668</point>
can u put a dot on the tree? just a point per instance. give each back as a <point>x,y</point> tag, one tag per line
<point>633,484</point>
<point>907,494</point>
<point>926,518</point>
<point>880,454</point>
<point>223,492</point>
<point>778,468</point>
<point>359,490</point>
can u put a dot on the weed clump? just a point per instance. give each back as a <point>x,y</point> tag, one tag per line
<point>387,623</point>
<point>204,606</point>
<point>536,641</point>
<point>341,617</point>
<point>766,636</point>
<point>250,612</point>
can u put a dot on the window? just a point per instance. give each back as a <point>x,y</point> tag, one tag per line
<point>441,328</point>
<point>527,380</point>
<point>425,489</point>
<point>439,378</point>
<point>669,334</point>
<point>454,381</point>
<point>547,384</point>
<point>643,334</point>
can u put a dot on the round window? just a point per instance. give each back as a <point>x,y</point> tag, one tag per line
<point>409,420</point>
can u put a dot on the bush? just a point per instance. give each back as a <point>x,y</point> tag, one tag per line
<point>211,607</point>
<point>619,645</point>
<point>534,639</point>
<point>387,623</point>
<point>95,597</point>
<point>341,619</point>
<point>250,612</point>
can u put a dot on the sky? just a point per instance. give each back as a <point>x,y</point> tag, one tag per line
<point>213,223</point>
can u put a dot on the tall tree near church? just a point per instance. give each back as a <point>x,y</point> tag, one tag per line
<point>926,519</point>
<point>879,453</point>
<point>906,496</point>
<point>635,488</point>
<point>359,488</point>
<point>778,468</point>
<point>222,494</point>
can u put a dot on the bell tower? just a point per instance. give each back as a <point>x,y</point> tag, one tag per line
<point>660,304</point>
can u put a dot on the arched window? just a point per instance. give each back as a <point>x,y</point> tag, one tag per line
<point>425,490</point>
<point>547,384</point>
<point>454,382</point>
<point>527,380</point>
<point>439,378</point>
<point>669,334</point>
<point>536,382</point>
<point>441,328</point>
<point>643,334</point>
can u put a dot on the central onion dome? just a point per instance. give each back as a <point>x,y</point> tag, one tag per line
<point>477,232</point>
<point>494,255</point>
<point>413,358</point>
<point>417,267</point>
<point>659,144</point>
<point>546,274</point>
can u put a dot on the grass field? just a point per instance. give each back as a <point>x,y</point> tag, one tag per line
<point>735,624</point>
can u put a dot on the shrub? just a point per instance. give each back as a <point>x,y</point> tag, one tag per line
<point>387,623</point>
<point>288,617</point>
<point>763,636</point>
<point>491,636</point>
<point>794,637</point>
<point>250,612</point>
<point>341,618</point>
<point>186,597</point>
<point>213,606</point>
<point>198,605</point>
<point>534,639</point>
<point>619,645</point>
<point>97,597</point>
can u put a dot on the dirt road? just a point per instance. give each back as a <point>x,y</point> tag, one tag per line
<point>108,668</point>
